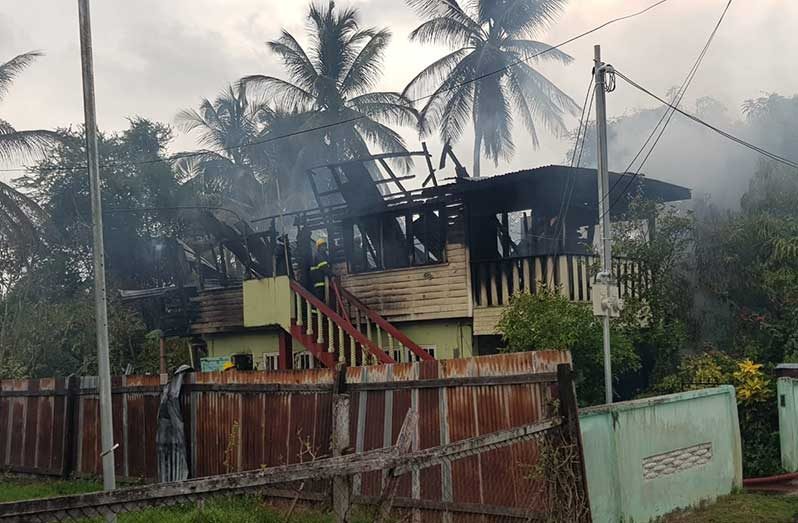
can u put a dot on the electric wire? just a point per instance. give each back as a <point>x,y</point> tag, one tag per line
<point>565,201</point>
<point>764,152</point>
<point>659,128</point>
<point>354,119</point>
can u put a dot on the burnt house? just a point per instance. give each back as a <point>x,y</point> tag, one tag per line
<point>422,268</point>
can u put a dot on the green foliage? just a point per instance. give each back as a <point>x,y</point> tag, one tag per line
<point>54,288</point>
<point>759,423</point>
<point>747,263</point>
<point>740,508</point>
<point>232,509</point>
<point>547,320</point>
<point>330,86</point>
<point>485,36</point>
<point>68,344</point>
<point>15,488</point>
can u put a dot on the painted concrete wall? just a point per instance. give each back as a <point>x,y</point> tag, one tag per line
<point>648,457</point>
<point>787,397</point>
<point>267,302</point>
<point>451,338</point>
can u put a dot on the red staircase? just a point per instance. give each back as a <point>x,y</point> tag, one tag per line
<point>362,316</point>
<point>352,334</point>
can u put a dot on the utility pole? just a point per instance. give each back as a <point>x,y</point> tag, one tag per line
<point>604,304</point>
<point>101,309</point>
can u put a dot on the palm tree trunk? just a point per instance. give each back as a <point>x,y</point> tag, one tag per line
<point>477,151</point>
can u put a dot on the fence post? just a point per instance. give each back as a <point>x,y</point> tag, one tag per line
<point>569,411</point>
<point>341,485</point>
<point>71,412</point>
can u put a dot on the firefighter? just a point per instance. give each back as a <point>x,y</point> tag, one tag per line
<point>320,270</point>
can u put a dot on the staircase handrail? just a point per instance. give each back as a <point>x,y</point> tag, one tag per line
<point>341,322</point>
<point>383,323</point>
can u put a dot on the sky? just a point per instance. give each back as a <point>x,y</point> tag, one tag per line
<point>155,57</point>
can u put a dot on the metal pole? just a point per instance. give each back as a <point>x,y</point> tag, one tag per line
<point>101,311</point>
<point>605,276</point>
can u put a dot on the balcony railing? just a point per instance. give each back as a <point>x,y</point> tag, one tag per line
<point>572,275</point>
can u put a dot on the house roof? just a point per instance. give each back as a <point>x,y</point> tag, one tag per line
<point>550,186</point>
<point>543,188</point>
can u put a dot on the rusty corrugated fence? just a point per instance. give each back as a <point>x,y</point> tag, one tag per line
<point>238,421</point>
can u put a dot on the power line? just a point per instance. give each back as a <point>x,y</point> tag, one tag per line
<point>354,119</point>
<point>565,201</point>
<point>582,120</point>
<point>764,152</point>
<point>666,117</point>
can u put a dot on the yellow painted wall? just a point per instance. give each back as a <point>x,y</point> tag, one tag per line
<point>255,343</point>
<point>267,302</point>
<point>451,338</point>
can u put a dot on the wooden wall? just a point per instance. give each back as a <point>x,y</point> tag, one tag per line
<point>219,310</point>
<point>486,319</point>
<point>419,293</point>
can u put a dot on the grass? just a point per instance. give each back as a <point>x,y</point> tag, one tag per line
<point>735,508</point>
<point>239,509</point>
<point>233,509</point>
<point>742,508</point>
<point>16,488</point>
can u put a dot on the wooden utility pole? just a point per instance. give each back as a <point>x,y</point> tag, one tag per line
<point>101,308</point>
<point>341,485</point>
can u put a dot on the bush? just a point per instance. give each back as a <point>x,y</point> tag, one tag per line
<point>759,421</point>
<point>547,320</point>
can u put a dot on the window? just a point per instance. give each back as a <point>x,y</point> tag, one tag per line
<point>394,241</point>
<point>519,233</point>
<point>430,349</point>
<point>303,361</point>
<point>514,234</point>
<point>270,361</point>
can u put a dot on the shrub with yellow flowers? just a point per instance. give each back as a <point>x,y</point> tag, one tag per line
<point>755,403</point>
<point>751,384</point>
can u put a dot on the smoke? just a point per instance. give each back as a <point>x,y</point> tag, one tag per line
<point>691,155</point>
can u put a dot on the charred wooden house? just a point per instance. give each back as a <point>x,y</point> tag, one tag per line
<point>417,273</point>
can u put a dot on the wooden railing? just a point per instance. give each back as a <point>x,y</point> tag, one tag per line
<point>495,281</point>
<point>375,327</point>
<point>329,336</point>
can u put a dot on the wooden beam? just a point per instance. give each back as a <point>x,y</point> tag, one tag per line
<point>465,381</point>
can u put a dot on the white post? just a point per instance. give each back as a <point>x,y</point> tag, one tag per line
<point>101,312</point>
<point>605,276</point>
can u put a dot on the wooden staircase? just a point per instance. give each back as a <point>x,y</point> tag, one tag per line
<point>332,336</point>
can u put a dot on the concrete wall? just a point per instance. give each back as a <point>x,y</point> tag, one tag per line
<point>787,397</point>
<point>648,457</point>
<point>267,302</point>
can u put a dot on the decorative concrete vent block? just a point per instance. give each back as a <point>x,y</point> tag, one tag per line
<point>676,461</point>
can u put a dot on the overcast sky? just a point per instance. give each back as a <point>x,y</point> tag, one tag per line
<point>154,57</point>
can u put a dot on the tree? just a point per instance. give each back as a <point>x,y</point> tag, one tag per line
<point>329,88</point>
<point>136,174</point>
<point>56,288</point>
<point>229,164</point>
<point>487,74</point>
<point>18,213</point>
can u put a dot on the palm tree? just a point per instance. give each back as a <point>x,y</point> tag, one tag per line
<point>487,74</point>
<point>227,127</point>
<point>329,87</point>
<point>18,213</point>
